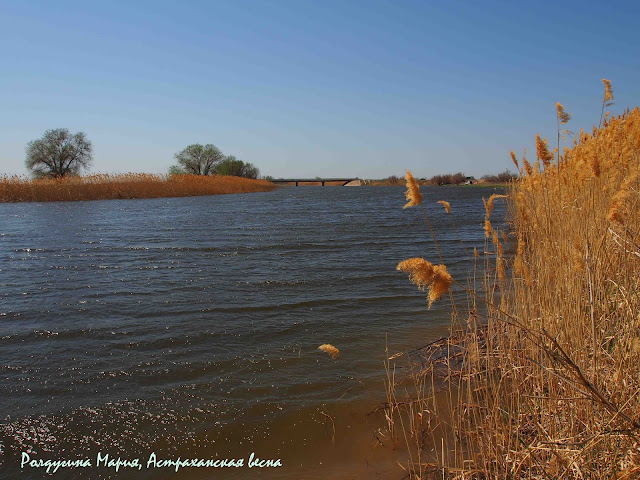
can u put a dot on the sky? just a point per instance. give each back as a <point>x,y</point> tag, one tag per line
<point>311,88</point>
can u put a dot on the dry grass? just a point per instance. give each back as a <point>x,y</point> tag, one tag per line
<point>542,379</point>
<point>131,185</point>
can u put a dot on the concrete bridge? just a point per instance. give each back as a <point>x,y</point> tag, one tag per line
<point>298,181</point>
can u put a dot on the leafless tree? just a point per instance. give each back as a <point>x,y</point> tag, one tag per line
<point>59,154</point>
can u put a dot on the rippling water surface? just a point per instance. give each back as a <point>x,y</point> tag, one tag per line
<point>189,326</point>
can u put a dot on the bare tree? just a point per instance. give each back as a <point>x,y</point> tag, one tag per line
<point>198,159</point>
<point>58,154</point>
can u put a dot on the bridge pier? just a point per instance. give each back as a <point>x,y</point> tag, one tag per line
<point>323,183</point>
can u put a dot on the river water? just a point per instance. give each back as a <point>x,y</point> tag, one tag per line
<point>189,327</point>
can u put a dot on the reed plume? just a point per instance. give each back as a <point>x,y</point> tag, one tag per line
<point>447,205</point>
<point>413,195</point>
<point>608,91</point>
<point>515,160</point>
<point>527,166</point>
<point>331,350</point>
<point>543,151</point>
<point>488,208</point>
<point>607,100</point>
<point>563,115</point>
<point>488,229</point>
<point>488,205</point>
<point>441,283</point>
<point>420,271</point>
<point>424,275</point>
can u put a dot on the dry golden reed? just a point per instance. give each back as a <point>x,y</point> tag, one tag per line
<point>124,186</point>
<point>447,205</point>
<point>441,283</point>
<point>488,208</point>
<point>543,151</point>
<point>488,229</point>
<point>330,349</point>
<point>542,379</point>
<point>594,164</point>
<point>608,91</point>
<point>620,206</point>
<point>563,115</point>
<point>413,195</point>
<point>514,160</point>
<point>500,267</point>
<point>420,271</point>
<point>563,338</point>
<point>488,205</point>
<point>526,165</point>
<point>426,275</point>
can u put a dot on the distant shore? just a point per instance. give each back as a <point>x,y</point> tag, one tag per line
<point>428,183</point>
<point>124,186</point>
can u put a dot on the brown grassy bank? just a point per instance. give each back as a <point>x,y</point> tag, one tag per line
<point>542,379</point>
<point>131,185</point>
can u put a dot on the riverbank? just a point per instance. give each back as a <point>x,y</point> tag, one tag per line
<point>124,186</point>
<point>541,379</point>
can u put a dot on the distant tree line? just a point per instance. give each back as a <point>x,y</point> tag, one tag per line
<point>60,153</point>
<point>503,177</point>
<point>453,179</point>
<point>207,159</point>
<point>395,180</point>
<point>459,178</point>
<point>449,179</point>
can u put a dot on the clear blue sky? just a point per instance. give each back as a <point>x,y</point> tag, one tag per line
<point>322,88</point>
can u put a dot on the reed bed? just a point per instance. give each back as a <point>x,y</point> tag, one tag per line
<point>124,186</point>
<point>542,379</point>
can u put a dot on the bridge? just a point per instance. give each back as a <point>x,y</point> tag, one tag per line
<point>298,181</point>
